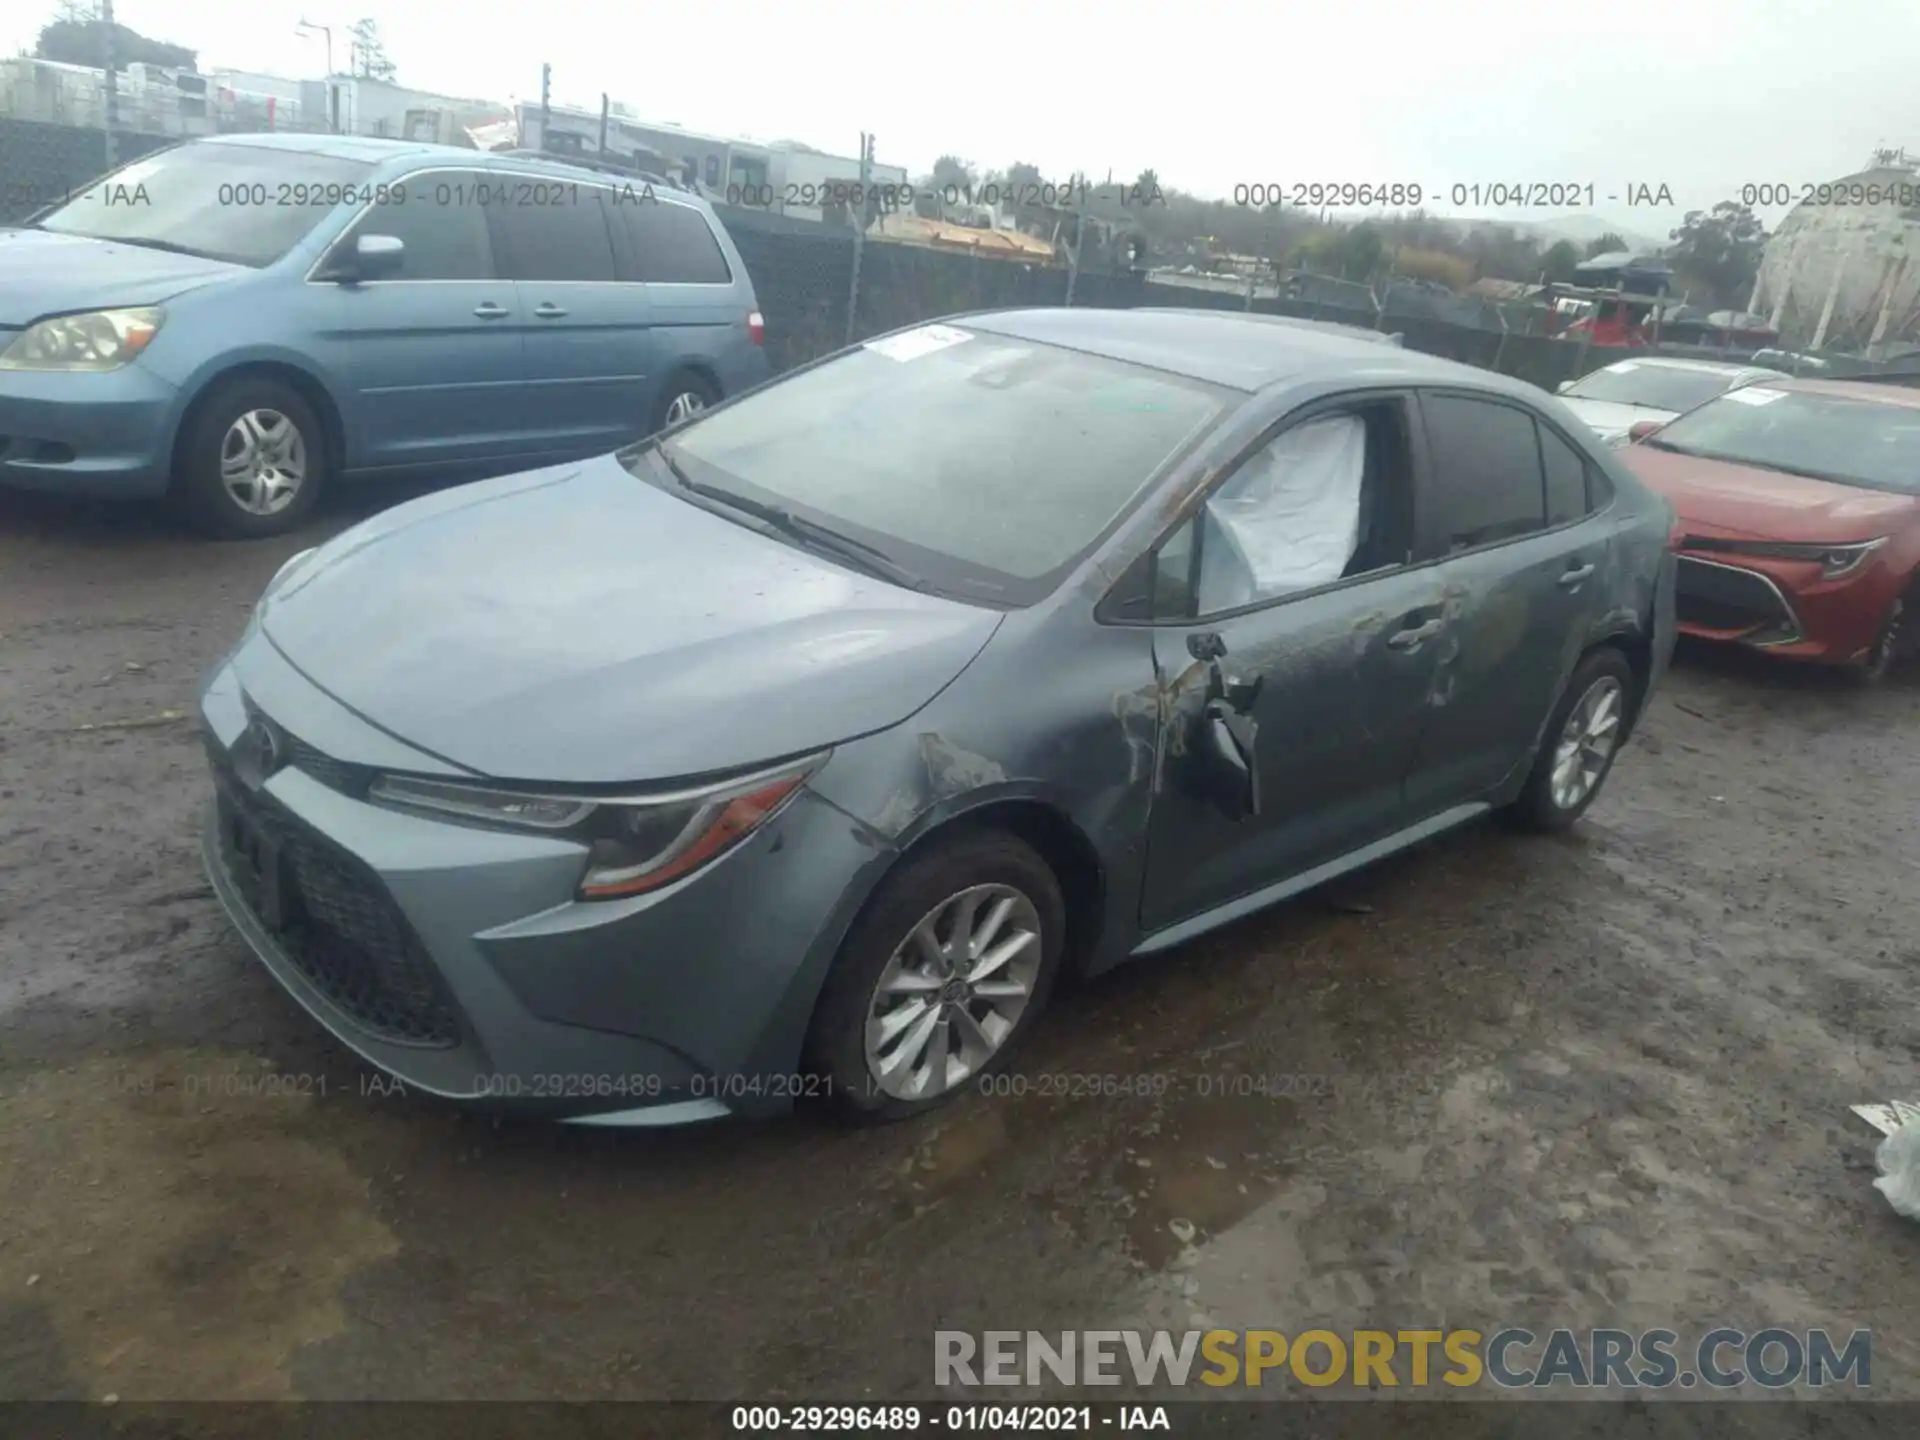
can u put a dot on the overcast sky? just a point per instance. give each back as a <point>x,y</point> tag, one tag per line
<point>1704,96</point>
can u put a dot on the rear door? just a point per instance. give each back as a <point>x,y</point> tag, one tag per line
<point>1509,513</point>
<point>589,351</point>
<point>1320,688</point>
<point>435,369</point>
<point>697,305</point>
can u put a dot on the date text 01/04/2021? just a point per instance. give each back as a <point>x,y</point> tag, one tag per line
<point>1529,194</point>
<point>968,1419</point>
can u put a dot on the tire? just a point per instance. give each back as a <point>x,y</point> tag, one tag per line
<point>1545,805</point>
<point>685,393</point>
<point>930,888</point>
<point>1893,646</point>
<point>217,432</point>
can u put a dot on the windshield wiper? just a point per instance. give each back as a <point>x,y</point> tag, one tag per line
<point>797,527</point>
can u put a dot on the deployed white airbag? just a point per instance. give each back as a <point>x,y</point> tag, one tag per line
<point>1290,519</point>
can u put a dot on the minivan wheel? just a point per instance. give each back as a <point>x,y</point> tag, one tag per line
<point>1581,740</point>
<point>252,462</point>
<point>940,978</point>
<point>683,397</point>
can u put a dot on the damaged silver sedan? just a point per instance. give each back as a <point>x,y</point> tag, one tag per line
<point>802,749</point>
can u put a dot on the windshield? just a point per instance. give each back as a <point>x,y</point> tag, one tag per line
<point>1653,387</point>
<point>983,464</point>
<point>248,204</point>
<point>1857,442</point>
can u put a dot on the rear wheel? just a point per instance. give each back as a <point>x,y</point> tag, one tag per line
<point>251,462</point>
<point>684,396</point>
<point>942,975</point>
<point>1582,737</point>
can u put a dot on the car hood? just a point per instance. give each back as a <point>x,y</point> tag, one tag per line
<point>1612,419</point>
<point>46,274</point>
<point>581,625</point>
<point>1718,497</point>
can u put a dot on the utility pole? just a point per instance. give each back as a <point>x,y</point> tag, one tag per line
<point>111,81</point>
<point>546,105</point>
<point>605,106</point>
<point>859,231</point>
<point>1079,239</point>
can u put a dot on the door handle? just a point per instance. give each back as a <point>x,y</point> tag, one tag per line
<point>549,311</point>
<point>1414,636</point>
<point>490,311</point>
<point>1577,574</point>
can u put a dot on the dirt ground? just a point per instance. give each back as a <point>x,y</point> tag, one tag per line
<point>1599,1080</point>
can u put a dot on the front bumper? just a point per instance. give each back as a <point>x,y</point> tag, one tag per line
<point>456,959</point>
<point>108,435</point>
<point>1782,606</point>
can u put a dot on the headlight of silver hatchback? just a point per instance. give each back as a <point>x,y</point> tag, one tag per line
<point>636,843</point>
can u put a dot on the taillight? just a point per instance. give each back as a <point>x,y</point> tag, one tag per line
<point>757,328</point>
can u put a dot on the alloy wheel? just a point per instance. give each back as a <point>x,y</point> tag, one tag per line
<point>1587,742</point>
<point>685,404</point>
<point>263,461</point>
<point>953,991</point>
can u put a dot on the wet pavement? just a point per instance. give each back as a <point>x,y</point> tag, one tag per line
<point>1594,1080</point>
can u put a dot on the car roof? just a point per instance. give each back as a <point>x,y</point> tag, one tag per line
<point>1236,349</point>
<point>1902,395</point>
<point>344,147</point>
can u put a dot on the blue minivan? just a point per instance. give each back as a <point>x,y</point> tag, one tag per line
<point>234,322</point>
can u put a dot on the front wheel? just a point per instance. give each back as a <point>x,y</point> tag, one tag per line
<point>252,461</point>
<point>945,971</point>
<point>1893,645</point>
<point>1582,737</point>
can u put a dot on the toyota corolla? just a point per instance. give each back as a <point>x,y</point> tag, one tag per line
<point>801,749</point>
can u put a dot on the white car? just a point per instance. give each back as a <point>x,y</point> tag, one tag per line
<point>1616,397</point>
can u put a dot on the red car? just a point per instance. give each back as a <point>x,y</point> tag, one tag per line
<point>1799,518</point>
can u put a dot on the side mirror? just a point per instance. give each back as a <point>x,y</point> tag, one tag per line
<point>1640,429</point>
<point>371,257</point>
<point>1563,387</point>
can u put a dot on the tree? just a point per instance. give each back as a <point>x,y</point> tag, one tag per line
<point>370,58</point>
<point>1718,251</point>
<point>78,38</point>
<point>952,170</point>
<point>1559,261</point>
<point>1607,244</point>
<point>1148,182</point>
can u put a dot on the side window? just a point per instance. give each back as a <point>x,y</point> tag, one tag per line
<point>1566,478</point>
<point>1324,500</point>
<point>713,171</point>
<point>1487,479</point>
<point>568,241</point>
<point>1173,575</point>
<point>669,243</point>
<point>441,224</point>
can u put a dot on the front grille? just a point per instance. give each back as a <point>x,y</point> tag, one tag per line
<point>1723,597</point>
<point>344,933</point>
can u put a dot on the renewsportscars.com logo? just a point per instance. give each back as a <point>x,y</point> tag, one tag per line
<point>1513,1358</point>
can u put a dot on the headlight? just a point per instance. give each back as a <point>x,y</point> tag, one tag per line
<point>635,843</point>
<point>102,340</point>
<point>1835,560</point>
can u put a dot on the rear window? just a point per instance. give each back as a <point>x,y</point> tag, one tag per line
<point>248,204</point>
<point>671,243</point>
<point>985,464</point>
<point>1830,437</point>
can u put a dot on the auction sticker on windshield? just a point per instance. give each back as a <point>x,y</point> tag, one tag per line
<point>915,343</point>
<point>1755,396</point>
